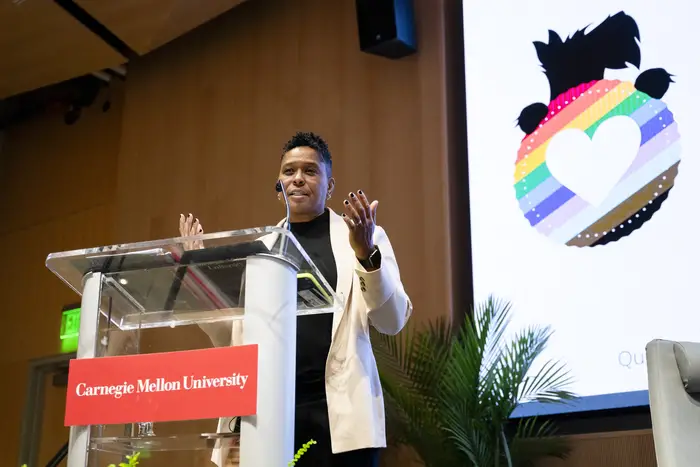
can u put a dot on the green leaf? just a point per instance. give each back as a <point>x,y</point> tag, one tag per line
<point>450,389</point>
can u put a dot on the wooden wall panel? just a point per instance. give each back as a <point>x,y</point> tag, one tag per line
<point>57,190</point>
<point>51,170</point>
<point>206,117</point>
<point>615,449</point>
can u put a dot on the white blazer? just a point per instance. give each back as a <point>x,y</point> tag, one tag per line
<point>353,389</point>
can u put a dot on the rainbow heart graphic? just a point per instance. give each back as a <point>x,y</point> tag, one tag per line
<point>600,163</point>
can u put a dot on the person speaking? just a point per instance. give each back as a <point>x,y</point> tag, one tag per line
<point>339,401</point>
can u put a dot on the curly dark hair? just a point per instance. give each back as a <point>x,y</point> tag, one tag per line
<point>313,141</point>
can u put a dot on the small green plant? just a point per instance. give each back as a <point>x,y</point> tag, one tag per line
<point>133,461</point>
<point>302,450</point>
<point>450,389</point>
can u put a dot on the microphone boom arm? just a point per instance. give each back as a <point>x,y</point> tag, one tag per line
<point>280,189</point>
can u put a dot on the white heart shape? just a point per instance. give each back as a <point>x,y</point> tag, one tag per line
<point>592,167</point>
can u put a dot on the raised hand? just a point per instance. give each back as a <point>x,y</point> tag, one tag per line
<point>361,218</point>
<point>190,226</point>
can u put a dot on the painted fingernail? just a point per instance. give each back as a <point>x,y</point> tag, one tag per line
<point>344,215</point>
<point>346,202</point>
<point>352,195</point>
<point>360,192</point>
<point>197,220</point>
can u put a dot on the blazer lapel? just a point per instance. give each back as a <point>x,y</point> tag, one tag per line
<point>344,261</point>
<point>344,256</point>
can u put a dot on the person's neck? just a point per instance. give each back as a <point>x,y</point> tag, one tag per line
<point>304,217</point>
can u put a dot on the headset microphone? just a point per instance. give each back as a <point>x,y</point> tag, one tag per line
<point>280,189</point>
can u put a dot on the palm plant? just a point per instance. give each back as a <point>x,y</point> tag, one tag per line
<point>450,391</point>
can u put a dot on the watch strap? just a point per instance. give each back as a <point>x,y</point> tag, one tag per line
<point>373,261</point>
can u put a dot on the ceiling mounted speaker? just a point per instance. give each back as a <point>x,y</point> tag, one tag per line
<point>386,27</point>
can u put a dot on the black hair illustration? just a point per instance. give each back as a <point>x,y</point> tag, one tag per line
<point>584,57</point>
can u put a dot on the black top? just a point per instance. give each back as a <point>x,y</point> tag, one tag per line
<point>314,331</point>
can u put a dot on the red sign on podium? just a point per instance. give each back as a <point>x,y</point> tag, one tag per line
<point>161,387</point>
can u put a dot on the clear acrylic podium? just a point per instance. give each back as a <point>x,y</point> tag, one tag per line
<point>244,287</point>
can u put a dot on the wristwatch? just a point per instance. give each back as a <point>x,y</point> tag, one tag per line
<point>373,261</point>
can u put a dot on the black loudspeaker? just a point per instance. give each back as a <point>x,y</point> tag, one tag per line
<point>386,27</point>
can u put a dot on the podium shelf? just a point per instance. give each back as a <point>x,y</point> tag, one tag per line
<point>190,442</point>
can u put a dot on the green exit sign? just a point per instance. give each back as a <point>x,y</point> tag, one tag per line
<point>70,324</point>
<point>70,328</point>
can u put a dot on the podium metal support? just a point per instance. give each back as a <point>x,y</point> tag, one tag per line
<point>88,340</point>
<point>267,439</point>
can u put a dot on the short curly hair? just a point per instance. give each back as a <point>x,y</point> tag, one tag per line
<point>313,141</point>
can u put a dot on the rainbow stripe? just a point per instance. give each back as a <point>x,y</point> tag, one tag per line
<point>552,208</point>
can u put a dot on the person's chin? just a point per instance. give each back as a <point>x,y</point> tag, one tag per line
<point>300,201</point>
<point>302,206</point>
